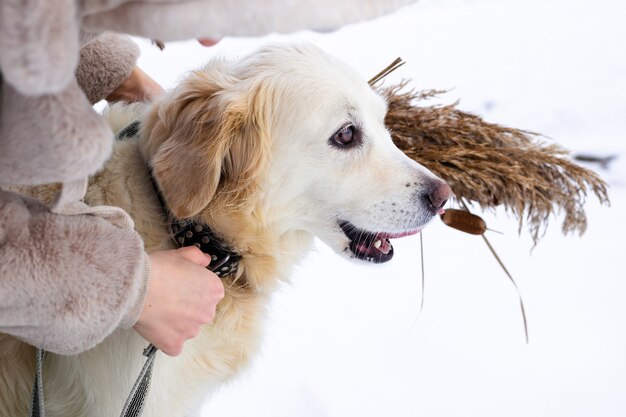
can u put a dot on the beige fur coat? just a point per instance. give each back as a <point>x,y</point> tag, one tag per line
<point>70,275</point>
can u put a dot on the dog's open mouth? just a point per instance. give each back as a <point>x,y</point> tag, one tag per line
<point>371,246</point>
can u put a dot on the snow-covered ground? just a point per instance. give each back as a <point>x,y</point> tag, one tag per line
<point>340,340</point>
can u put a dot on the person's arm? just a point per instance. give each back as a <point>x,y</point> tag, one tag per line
<point>67,282</point>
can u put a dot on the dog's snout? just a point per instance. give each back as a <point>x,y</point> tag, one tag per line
<point>438,196</point>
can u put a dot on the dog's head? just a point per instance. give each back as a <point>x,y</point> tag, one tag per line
<point>296,139</point>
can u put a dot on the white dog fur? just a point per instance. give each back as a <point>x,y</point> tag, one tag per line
<point>250,149</point>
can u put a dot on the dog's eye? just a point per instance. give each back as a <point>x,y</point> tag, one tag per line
<point>345,137</point>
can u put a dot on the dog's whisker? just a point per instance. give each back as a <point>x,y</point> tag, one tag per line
<point>423,280</point>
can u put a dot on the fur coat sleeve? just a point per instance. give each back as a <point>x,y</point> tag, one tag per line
<point>66,281</point>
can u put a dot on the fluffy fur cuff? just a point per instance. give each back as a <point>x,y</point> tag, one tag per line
<point>66,281</point>
<point>104,64</point>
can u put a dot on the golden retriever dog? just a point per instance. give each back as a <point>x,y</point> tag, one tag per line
<point>269,151</point>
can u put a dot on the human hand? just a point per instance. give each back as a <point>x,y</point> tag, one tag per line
<point>139,86</point>
<point>182,296</point>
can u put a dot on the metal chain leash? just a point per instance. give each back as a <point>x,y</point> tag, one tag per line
<point>136,399</point>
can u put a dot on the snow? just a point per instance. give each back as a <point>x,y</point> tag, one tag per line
<point>343,339</point>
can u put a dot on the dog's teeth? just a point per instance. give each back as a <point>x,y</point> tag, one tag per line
<point>378,243</point>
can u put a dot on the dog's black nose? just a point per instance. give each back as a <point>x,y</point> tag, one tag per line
<point>438,196</point>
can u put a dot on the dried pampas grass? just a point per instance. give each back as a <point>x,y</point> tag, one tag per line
<point>489,164</point>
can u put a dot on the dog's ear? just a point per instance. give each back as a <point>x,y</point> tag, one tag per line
<point>210,142</point>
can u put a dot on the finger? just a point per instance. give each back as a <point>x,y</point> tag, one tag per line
<point>216,288</point>
<point>172,350</point>
<point>208,41</point>
<point>195,255</point>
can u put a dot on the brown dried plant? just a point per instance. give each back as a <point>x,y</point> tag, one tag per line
<point>492,165</point>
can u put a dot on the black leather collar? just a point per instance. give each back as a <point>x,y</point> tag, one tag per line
<point>224,261</point>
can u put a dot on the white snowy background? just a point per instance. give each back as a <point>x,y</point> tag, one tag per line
<point>343,339</point>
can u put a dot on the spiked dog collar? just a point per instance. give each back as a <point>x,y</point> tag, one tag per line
<point>185,232</point>
<point>224,261</point>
